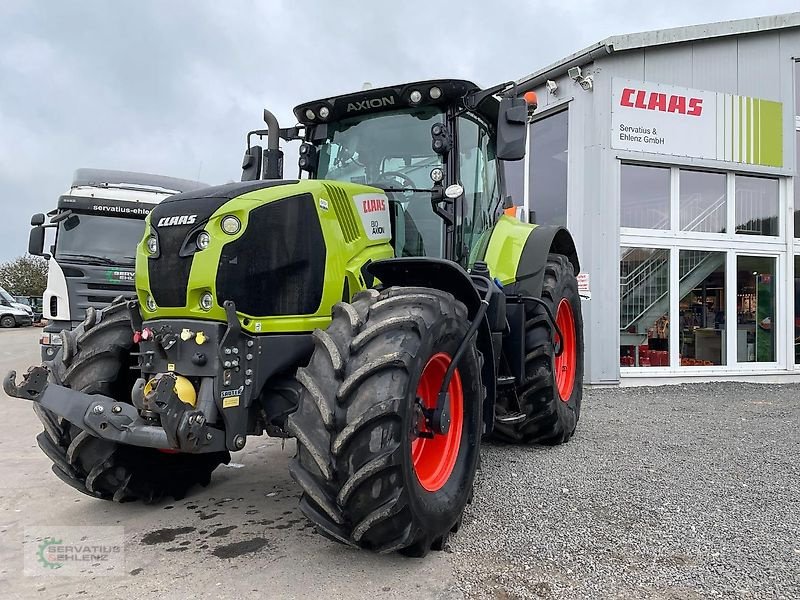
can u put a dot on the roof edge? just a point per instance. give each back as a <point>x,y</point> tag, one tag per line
<point>661,37</point>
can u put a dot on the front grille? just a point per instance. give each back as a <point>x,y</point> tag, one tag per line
<point>343,207</point>
<point>277,266</point>
<point>169,273</point>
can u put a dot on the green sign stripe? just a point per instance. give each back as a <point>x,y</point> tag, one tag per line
<point>771,134</point>
<point>756,132</point>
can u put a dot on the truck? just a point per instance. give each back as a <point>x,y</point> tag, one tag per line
<point>382,310</point>
<point>97,224</point>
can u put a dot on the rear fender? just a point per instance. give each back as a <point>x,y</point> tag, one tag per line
<point>449,277</point>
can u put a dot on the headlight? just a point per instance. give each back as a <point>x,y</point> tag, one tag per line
<point>151,304</point>
<point>152,244</point>
<point>230,225</point>
<point>203,240</point>
<point>206,301</point>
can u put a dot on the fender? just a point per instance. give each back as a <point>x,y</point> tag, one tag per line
<point>451,277</point>
<point>517,254</point>
<point>543,240</point>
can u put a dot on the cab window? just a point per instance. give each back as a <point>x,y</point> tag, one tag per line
<point>478,176</point>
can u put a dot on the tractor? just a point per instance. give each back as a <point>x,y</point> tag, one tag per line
<point>382,309</point>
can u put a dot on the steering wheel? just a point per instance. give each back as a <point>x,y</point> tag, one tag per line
<point>405,181</point>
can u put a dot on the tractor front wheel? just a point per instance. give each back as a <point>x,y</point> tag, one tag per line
<point>373,472</point>
<point>95,359</point>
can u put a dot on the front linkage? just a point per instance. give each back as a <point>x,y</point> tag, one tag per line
<point>227,367</point>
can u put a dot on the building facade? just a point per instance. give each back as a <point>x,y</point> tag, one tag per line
<point>673,157</point>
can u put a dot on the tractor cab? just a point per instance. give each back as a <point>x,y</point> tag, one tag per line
<point>433,146</point>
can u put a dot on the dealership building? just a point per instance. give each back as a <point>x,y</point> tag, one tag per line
<point>672,156</point>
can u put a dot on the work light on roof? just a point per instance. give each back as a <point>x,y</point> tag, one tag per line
<point>324,112</point>
<point>310,115</point>
<point>435,93</point>
<point>415,97</point>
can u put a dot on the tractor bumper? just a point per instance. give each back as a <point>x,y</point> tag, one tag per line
<point>183,428</point>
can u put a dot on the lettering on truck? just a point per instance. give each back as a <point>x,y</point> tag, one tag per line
<point>672,103</point>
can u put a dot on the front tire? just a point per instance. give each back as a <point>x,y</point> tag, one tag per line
<point>8,322</point>
<point>551,398</point>
<point>95,359</point>
<point>369,479</point>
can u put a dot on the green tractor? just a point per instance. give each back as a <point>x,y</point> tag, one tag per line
<point>382,309</point>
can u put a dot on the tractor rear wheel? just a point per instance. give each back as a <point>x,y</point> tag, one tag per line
<point>95,359</point>
<point>551,398</point>
<point>373,473</point>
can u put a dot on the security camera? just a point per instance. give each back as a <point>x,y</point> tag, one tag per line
<point>574,73</point>
<point>587,82</point>
<point>552,86</point>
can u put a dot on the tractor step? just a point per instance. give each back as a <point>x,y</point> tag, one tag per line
<point>506,381</point>
<point>511,418</point>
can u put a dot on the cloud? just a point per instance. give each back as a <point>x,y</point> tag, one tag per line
<point>172,87</point>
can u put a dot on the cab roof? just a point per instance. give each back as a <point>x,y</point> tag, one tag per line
<point>394,97</point>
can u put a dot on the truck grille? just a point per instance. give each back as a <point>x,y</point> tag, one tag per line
<point>277,266</point>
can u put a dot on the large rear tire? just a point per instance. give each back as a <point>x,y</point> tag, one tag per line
<point>551,400</point>
<point>369,479</point>
<point>95,359</point>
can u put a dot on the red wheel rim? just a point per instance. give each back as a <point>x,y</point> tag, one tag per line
<point>566,362</point>
<point>434,458</point>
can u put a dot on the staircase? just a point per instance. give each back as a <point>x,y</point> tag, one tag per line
<point>644,290</point>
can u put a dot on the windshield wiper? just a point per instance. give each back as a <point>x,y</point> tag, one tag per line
<point>96,260</point>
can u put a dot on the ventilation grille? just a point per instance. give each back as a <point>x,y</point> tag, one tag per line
<point>343,207</point>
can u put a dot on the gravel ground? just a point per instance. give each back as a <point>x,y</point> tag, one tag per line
<point>674,492</point>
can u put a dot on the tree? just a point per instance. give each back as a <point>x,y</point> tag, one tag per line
<point>24,276</point>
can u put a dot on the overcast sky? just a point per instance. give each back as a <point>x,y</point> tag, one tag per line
<point>171,87</point>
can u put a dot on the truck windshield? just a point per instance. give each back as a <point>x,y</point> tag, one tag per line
<point>391,150</point>
<point>100,237</point>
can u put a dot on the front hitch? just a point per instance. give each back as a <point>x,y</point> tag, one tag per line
<point>183,429</point>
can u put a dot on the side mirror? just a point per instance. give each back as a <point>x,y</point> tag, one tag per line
<point>251,163</point>
<point>37,219</point>
<point>36,241</point>
<point>512,128</point>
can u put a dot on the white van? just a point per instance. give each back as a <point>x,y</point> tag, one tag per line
<point>13,313</point>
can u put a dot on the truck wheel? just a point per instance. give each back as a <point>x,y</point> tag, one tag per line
<point>95,359</point>
<point>369,478</point>
<point>8,322</point>
<point>551,399</point>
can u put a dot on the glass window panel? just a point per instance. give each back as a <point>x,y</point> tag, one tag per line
<point>644,197</point>
<point>797,310</point>
<point>756,205</point>
<point>755,308</point>
<point>548,169</point>
<point>797,87</point>
<point>703,200</point>
<point>644,307</point>
<point>702,308</point>
<point>514,176</point>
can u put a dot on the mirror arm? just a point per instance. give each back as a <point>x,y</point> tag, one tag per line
<point>437,197</point>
